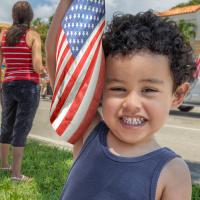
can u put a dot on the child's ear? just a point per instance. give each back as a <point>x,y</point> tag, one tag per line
<point>179,94</point>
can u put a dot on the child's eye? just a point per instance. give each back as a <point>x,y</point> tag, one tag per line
<point>149,90</point>
<point>118,89</point>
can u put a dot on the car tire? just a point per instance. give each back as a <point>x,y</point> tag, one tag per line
<point>185,108</point>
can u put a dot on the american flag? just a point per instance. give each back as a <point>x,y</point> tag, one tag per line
<point>79,69</point>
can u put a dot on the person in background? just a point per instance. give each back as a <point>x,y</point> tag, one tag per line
<point>43,84</point>
<point>21,48</point>
<point>49,89</point>
<point>3,69</point>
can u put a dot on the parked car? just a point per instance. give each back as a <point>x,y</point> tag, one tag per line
<point>193,97</point>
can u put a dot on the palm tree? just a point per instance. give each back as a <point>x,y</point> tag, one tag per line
<point>187,29</point>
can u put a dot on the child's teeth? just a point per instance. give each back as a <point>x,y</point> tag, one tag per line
<point>133,121</point>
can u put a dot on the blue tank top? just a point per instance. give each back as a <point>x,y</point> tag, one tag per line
<point>97,174</point>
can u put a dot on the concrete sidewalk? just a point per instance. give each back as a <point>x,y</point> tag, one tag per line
<point>58,143</point>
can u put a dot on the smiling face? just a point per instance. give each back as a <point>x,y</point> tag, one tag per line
<point>138,95</point>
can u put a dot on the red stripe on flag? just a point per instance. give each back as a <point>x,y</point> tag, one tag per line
<point>73,79</point>
<point>80,95</point>
<point>92,109</point>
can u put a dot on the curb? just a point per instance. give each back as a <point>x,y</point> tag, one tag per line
<point>60,144</point>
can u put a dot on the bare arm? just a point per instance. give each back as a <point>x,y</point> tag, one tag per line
<point>1,56</point>
<point>78,145</point>
<point>177,181</point>
<point>50,45</point>
<point>36,52</point>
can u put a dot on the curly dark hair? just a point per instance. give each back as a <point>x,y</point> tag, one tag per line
<point>128,34</point>
<point>22,14</point>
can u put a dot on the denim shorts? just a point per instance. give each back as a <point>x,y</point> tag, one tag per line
<point>20,100</point>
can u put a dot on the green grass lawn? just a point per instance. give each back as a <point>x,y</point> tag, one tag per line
<point>49,167</point>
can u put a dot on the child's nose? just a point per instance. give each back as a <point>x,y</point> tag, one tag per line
<point>132,103</point>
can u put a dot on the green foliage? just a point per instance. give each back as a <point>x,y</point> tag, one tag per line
<point>188,29</point>
<point>48,166</point>
<point>196,192</point>
<point>50,20</point>
<point>190,3</point>
<point>42,28</point>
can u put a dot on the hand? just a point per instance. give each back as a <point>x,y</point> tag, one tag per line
<point>42,70</point>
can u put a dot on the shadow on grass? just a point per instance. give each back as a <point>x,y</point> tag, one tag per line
<point>194,170</point>
<point>4,176</point>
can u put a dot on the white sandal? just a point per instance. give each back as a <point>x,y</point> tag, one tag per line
<point>6,169</point>
<point>21,179</point>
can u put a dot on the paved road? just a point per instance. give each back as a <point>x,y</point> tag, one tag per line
<point>42,128</point>
<point>181,133</point>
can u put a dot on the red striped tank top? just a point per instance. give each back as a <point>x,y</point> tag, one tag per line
<point>18,61</point>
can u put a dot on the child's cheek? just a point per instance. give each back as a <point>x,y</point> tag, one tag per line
<point>107,104</point>
<point>160,108</point>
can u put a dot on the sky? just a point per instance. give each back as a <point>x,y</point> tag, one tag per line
<point>45,8</point>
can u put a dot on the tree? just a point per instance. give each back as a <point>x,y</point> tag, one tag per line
<point>190,3</point>
<point>42,28</point>
<point>50,20</point>
<point>188,29</point>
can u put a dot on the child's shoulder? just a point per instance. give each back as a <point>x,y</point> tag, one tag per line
<point>175,181</point>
